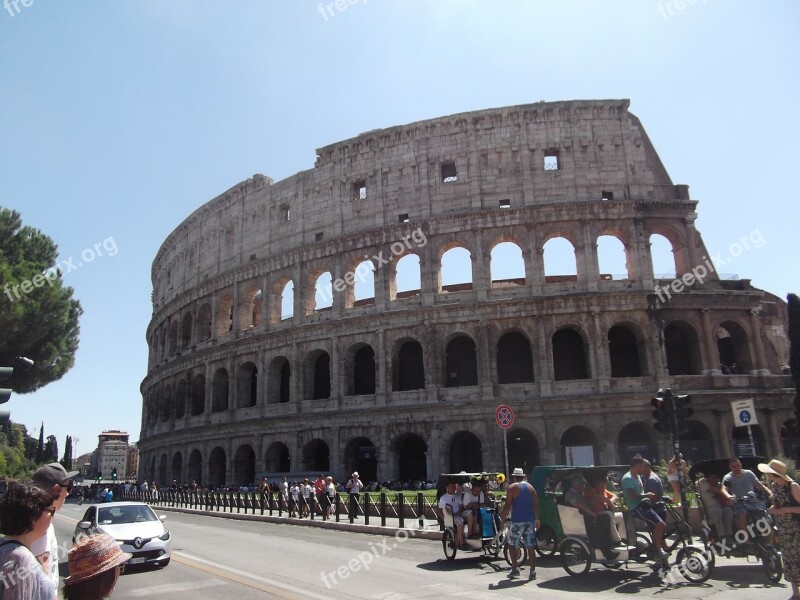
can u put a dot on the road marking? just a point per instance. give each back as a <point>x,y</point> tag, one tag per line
<point>263,584</point>
<point>172,588</point>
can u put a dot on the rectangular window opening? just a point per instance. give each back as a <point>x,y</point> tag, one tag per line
<point>403,218</point>
<point>551,160</point>
<point>607,196</point>
<point>318,236</point>
<point>287,213</point>
<point>449,173</point>
<point>360,190</point>
<point>505,203</point>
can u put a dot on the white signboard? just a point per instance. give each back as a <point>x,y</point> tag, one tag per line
<point>744,413</point>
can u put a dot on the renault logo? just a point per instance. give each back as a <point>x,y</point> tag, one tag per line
<point>138,543</point>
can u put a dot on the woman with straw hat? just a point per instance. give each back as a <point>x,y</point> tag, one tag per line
<point>95,564</point>
<point>786,508</point>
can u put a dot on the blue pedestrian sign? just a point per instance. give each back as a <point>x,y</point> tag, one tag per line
<point>744,413</point>
<point>744,416</point>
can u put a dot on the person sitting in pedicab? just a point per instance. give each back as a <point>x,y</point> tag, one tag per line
<point>474,498</point>
<point>604,502</point>
<point>598,524</point>
<point>639,503</point>
<point>453,500</point>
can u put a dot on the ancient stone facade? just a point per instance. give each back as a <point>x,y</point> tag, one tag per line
<point>252,371</point>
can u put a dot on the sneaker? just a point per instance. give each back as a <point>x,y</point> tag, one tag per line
<point>660,555</point>
<point>532,575</point>
<point>513,573</point>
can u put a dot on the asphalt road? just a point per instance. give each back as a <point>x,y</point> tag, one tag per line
<point>215,558</point>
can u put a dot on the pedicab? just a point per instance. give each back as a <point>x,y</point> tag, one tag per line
<point>758,540</point>
<point>491,540</point>
<point>579,552</point>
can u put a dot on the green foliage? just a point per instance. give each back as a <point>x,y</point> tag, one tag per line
<point>66,461</point>
<point>41,322</point>
<point>13,462</point>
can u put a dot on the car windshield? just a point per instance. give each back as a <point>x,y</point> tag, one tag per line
<point>117,515</point>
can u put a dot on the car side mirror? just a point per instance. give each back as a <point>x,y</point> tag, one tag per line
<point>162,518</point>
<point>85,524</point>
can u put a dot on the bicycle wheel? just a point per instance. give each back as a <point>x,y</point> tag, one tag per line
<point>773,566</point>
<point>497,544</point>
<point>522,554</point>
<point>449,545</point>
<point>695,564</point>
<point>575,557</point>
<point>546,542</point>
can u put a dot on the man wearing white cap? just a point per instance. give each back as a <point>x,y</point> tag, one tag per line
<point>354,487</point>
<point>51,478</point>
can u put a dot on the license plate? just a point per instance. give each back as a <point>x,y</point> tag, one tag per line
<point>136,561</point>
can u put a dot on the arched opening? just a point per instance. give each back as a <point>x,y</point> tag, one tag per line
<point>560,261</point>
<point>514,359</point>
<point>323,292</point>
<point>250,315</point>
<point>578,446</point>
<point>247,385</point>
<point>734,349</point>
<point>523,450</point>
<point>166,403</point>
<point>410,367</point>
<point>361,455</point>
<point>623,350</point>
<point>662,256</point>
<point>634,439</point>
<point>361,375</point>
<point>287,301</point>
<point>277,459</point>
<point>316,456</point>
<point>244,466</point>
<point>697,442</point>
<point>279,381</point>
<point>507,265</point>
<point>456,270</point>
<point>408,281</point>
<point>177,467</point>
<point>683,349</point>
<point>612,258</point>
<point>461,363</point>
<point>173,337</point>
<point>569,355</point>
<point>186,331</point>
<point>198,395</point>
<point>219,391</point>
<point>466,453</point>
<point>364,286</point>
<point>162,470</point>
<point>204,322</point>
<point>217,468</point>
<point>195,468</point>
<point>412,464</point>
<point>181,398</point>
<point>317,375</point>
<point>152,476</point>
<point>224,315</point>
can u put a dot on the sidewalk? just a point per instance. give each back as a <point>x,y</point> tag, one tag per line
<point>429,531</point>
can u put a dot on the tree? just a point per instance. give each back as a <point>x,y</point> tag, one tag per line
<point>794,356</point>
<point>40,448</point>
<point>51,450</point>
<point>38,316</point>
<point>66,462</point>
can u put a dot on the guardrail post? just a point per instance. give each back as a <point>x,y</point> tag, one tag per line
<point>337,499</point>
<point>366,508</point>
<point>421,509</point>
<point>383,509</point>
<point>401,508</point>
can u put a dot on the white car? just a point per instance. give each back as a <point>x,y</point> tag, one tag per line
<point>134,525</point>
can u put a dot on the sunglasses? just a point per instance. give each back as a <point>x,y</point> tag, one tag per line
<point>67,486</point>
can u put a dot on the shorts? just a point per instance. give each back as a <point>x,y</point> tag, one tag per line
<point>520,534</point>
<point>648,515</point>
<point>739,508</point>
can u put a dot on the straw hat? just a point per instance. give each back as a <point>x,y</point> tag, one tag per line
<point>93,555</point>
<point>775,467</point>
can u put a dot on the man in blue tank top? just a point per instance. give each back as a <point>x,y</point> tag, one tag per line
<point>523,503</point>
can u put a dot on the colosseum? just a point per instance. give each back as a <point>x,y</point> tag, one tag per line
<point>371,313</point>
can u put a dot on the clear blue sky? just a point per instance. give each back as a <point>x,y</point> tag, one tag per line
<point>118,119</point>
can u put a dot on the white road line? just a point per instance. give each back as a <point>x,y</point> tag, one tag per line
<point>174,588</point>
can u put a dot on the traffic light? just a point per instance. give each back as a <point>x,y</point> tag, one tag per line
<point>683,412</point>
<point>5,373</point>
<point>99,477</point>
<point>114,474</point>
<point>660,415</point>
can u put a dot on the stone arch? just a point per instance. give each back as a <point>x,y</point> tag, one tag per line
<point>579,446</point>
<point>569,355</point>
<point>407,278</point>
<point>219,391</point>
<point>204,322</point>
<point>247,385</point>
<point>361,455</point>
<point>317,375</point>
<point>697,442</point>
<point>166,403</point>
<point>173,337</point>
<point>286,304</point>
<point>466,453</point>
<point>409,371</point>
<point>224,315</point>
<point>461,362</point>
<point>506,264</point>
<point>250,312</point>
<point>741,441</point>
<point>635,438</point>
<point>316,456</point>
<point>523,449</point>
<point>277,458</point>
<point>614,261</point>
<point>177,467</point>
<point>514,358</point>
<point>455,270</point>
<point>323,291</point>
<point>198,395</point>
<point>412,463</point>
<point>733,347</point>
<point>279,380</point>
<point>363,289</point>
<point>217,475</point>
<point>181,398</point>
<point>560,260</point>
<point>626,351</point>
<point>682,346</point>
<point>186,330</point>
<point>195,467</point>
<point>244,465</point>
<point>162,470</point>
<point>360,368</point>
<point>663,255</point>
<point>153,469</point>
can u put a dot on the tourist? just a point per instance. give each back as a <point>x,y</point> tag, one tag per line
<point>786,508</point>
<point>95,564</point>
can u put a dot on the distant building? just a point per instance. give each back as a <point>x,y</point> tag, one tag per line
<point>132,466</point>
<point>112,453</point>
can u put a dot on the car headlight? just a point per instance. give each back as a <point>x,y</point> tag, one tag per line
<point>165,536</point>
